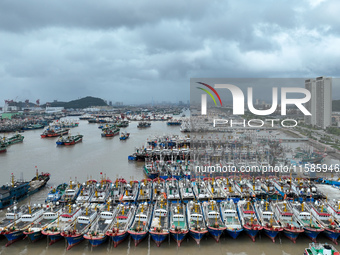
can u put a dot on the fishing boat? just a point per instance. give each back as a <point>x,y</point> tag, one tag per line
<point>51,213</point>
<point>256,186</point>
<point>16,231</point>
<point>178,222</point>
<point>242,187</point>
<point>144,124</point>
<point>110,132</point>
<point>230,218</point>
<point>130,192</point>
<point>213,219</point>
<point>101,191</point>
<point>124,136</point>
<point>74,233</point>
<point>38,182</point>
<point>159,188</point>
<point>97,232</point>
<point>71,193</point>
<point>196,221</point>
<point>186,190</point>
<point>140,226</point>
<point>33,127</point>
<point>117,190</point>
<point>265,214</point>
<point>56,193</point>
<point>321,249</point>
<point>51,132</point>
<point>145,191</point>
<point>172,188</point>
<point>331,225</point>
<point>284,214</point>
<point>334,209</point>
<point>312,227</point>
<point>159,229</point>
<point>200,189</point>
<point>118,230</point>
<point>249,220</point>
<point>17,138</point>
<point>86,192</point>
<point>71,140</point>
<point>13,213</point>
<point>217,191</point>
<point>151,169</point>
<point>227,185</point>
<point>173,169</point>
<point>68,215</point>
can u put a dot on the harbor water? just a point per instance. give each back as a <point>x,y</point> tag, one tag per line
<point>109,156</point>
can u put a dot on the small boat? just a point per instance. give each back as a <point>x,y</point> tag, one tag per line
<point>159,229</point>
<point>213,218</point>
<point>124,136</point>
<point>230,218</point>
<point>186,190</point>
<point>312,227</point>
<point>68,215</point>
<point>140,226</point>
<point>97,232</point>
<point>51,213</point>
<point>284,214</point>
<point>16,231</point>
<point>249,220</point>
<point>196,221</point>
<point>71,140</point>
<point>144,124</point>
<point>173,191</point>
<point>56,193</point>
<point>265,214</point>
<point>331,225</point>
<point>74,233</point>
<point>145,191</point>
<point>118,230</point>
<point>178,222</point>
<point>17,138</point>
<point>320,249</point>
<point>71,193</point>
<point>110,132</point>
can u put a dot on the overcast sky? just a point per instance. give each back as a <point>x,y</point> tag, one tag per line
<point>132,51</point>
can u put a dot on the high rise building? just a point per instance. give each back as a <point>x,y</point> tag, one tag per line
<point>320,105</point>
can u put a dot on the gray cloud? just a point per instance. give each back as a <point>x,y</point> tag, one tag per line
<point>133,51</point>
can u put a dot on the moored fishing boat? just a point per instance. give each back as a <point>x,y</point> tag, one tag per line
<point>230,218</point>
<point>13,213</point>
<point>249,220</point>
<point>101,191</point>
<point>196,221</point>
<point>228,186</point>
<point>331,225</point>
<point>178,222</point>
<point>140,227</point>
<point>159,229</point>
<point>16,231</point>
<point>71,193</point>
<point>86,192</point>
<point>56,193</point>
<point>118,230</point>
<point>218,193</point>
<point>186,190</point>
<point>159,188</point>
<point>151,169</point>
<point>130,192</point>
<point>265,214</point>
<point>74,233</point>
<point>213,219</point>
<point>117,190</point>
<point>97,232</point>
<point>312,227</point>
<point>172,188</point>
<point>68,215</point>
<point>145,191</point>
<point>51,213</point>
<point>200,189</point>
<point>291,227</point>
<point>321,249</point>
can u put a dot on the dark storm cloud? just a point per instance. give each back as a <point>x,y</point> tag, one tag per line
<point>134,51</point>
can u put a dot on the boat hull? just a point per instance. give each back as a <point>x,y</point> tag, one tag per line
<point>34,236</point>
<point>178,236</point>
<point>271,233</point>
<point>54,237</point>
<point>332,235</point>
<point>291,234</point>
<point>197,235</point>
<point>73,240</point>
<point>312,233</point>
<point>216,233</point>
<point>96,241</point>
<point>119,238</point>
<point>12,237</point>
<point>234,233</point>
<point>138,237</point>
<point>158,237</point>
<point>252,233</point>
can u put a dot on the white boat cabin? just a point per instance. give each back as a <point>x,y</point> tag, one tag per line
<point>161,212</point>
<point>196,217</point>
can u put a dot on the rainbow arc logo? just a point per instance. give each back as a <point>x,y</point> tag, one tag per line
<point>209,93</point>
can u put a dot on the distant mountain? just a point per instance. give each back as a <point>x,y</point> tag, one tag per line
<point>336,106</point>
<point>79,103</point>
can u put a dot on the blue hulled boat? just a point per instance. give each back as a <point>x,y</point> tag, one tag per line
<point>196,222</point>
<point>159,229</point>
<point>230,218</point>
<point>140,227</point>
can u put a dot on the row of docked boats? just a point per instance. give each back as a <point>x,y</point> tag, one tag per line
<point>99,222</point>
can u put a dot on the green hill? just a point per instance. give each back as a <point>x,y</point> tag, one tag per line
<point>80,103</point>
